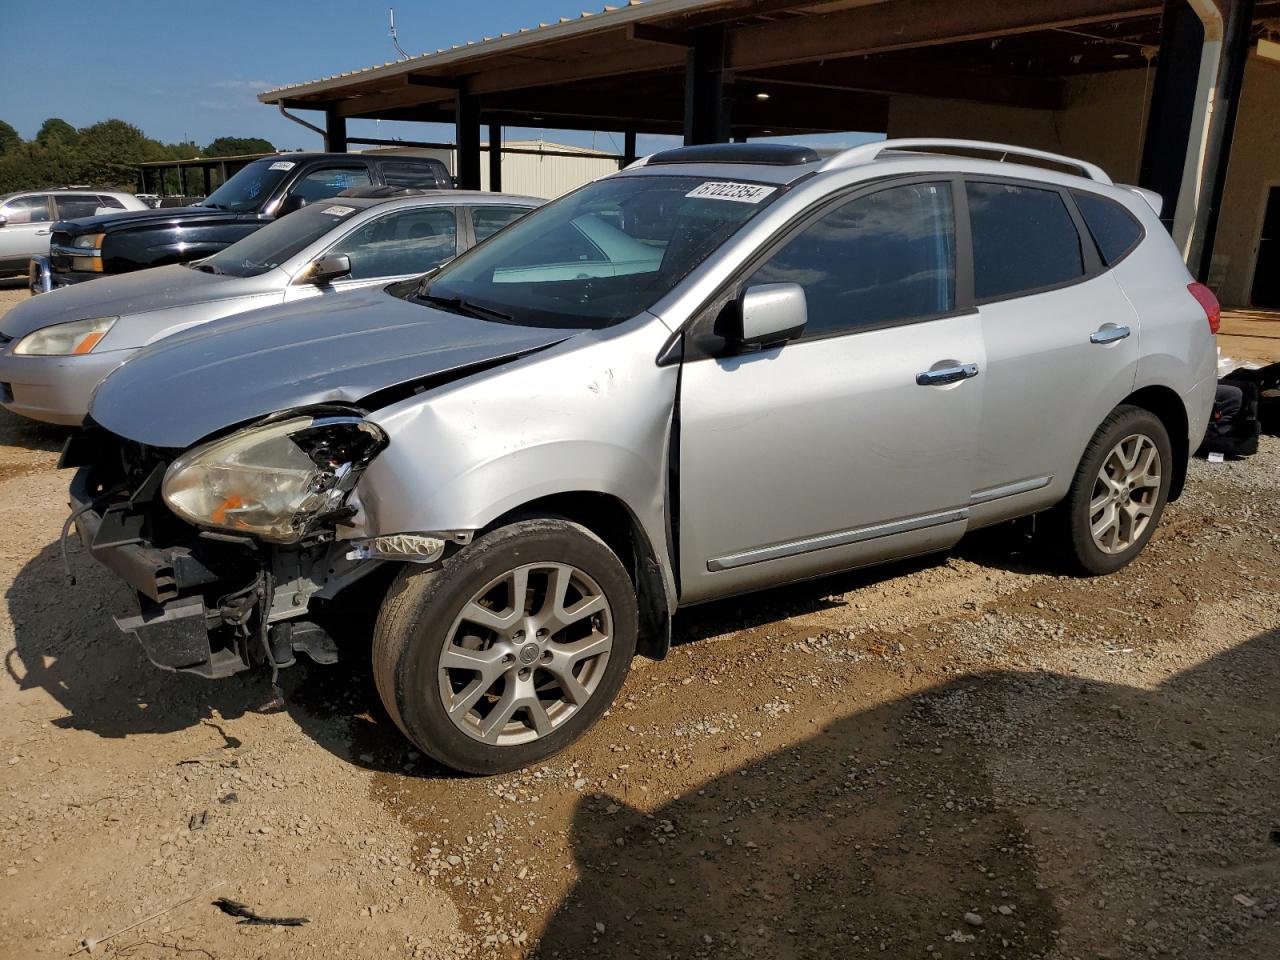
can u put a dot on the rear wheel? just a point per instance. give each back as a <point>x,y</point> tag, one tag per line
<point>1118,493</point>
<point>510,650</point>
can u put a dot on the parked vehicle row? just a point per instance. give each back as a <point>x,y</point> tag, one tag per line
<point>724,368</point>
<point>55,349</point>
<point>262,191</point>
<point>27,218</point>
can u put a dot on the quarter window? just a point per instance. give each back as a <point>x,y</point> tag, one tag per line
<point>488,220</point>
<point>1024,240</point>
<point>1112,227</point>
<point>106,200</point>
<point>411,241</point>
<point>323,184</point>
<point>876,260</point>
<point>27,210</point>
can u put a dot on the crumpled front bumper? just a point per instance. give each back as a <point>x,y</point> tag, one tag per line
<point>172,624</point>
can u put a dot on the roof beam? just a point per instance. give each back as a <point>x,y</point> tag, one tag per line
<point>911,23</point>
<point>921,79</point>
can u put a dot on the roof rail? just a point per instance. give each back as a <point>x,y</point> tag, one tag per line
<point>868,152</point>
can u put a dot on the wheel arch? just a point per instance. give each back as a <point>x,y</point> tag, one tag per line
<point>1165,403</point>
<point>609,518</point>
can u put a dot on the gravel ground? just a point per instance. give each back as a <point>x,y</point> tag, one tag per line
<point>959,756</point>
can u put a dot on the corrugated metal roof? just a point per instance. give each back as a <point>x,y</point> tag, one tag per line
<point>630,12</point>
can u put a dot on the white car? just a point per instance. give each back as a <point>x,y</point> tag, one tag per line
<point>27,219</point>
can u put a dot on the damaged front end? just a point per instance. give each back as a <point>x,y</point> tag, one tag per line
<point>232,548</point>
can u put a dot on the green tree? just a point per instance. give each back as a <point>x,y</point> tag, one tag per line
<point>56,131</point>
<point>238,146</point>
<point>9,139</point>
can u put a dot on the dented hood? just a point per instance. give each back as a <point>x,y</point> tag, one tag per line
<point>338,348</point>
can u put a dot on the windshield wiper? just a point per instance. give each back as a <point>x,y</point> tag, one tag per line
<point>459,305</point>
<point>213,206</point>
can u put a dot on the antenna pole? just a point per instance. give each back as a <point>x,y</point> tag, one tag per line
<point>395,42</point>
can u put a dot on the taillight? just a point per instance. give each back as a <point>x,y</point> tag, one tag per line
<point>1206,299</point>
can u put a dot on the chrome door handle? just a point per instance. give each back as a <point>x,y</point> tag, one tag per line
<point>1108,334</point>
<point>934,378</point>
<point>42,233</point>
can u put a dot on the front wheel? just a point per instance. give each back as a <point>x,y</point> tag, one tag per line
<point>1118,493</point>
<point>510,650</point>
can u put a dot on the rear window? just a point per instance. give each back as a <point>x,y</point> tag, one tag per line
<point>1113,228</point>
<point>401,174</point>
<point>1024,240</point>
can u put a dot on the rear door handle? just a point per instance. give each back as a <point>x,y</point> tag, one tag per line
<point>1108,334</point>
<point>934,378</point>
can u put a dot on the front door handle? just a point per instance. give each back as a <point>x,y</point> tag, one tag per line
<point>935,378</point>
<point>42,233</point>
<point>1108,334</point>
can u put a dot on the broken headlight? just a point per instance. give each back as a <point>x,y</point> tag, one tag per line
<point>273,480</point>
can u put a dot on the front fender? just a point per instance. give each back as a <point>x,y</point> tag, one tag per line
<point>592,415</point>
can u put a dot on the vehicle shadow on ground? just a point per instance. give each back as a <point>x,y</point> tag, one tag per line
<point>1035,793</point>
<point>16,431</point>
<point>66,643</point>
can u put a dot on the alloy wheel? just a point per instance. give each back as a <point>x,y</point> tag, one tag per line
<point>526,653</point>
<point>1125,494</point>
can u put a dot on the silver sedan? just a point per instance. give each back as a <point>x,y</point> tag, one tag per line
<point>54,349</point>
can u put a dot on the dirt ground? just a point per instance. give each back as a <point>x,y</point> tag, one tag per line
<point>960,756</point>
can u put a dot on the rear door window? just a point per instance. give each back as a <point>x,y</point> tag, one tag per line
<point>1024,240</point>
<point>32,209</point>
<point>329,181</point>
<point>489,219</point>
<point>74,205</point>
<point>1114,229</point>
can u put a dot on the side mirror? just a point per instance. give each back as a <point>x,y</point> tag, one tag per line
<point>771,314</point>
<point>327,269</point>
<point>289,204</point>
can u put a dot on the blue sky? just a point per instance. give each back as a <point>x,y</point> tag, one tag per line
<point>191,69</point>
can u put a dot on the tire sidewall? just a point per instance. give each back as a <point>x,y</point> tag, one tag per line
<point>1125,423</point>
<point>422,714</point>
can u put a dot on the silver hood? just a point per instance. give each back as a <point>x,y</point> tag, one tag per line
<point>338,349</point>
<point>124,294</point>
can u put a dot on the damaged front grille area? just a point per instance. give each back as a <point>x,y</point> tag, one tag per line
<point>209,603</point>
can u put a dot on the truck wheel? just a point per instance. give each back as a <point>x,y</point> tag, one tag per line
<point>1118,493</point>
<point>511,649</point>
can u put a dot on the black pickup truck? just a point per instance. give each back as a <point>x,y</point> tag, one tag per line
<point>259,193</point>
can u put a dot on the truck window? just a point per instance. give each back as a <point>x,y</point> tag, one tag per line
<point>328,181</point>
<point>419,176</point>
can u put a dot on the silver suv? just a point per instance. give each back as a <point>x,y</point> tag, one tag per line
<point>724,368</point>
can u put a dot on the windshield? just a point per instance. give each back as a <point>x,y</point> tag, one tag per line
<point>600,255</point>
<point>278,241</point>
<point>248,189</point>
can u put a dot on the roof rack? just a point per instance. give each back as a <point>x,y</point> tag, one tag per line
<point>868,152</point>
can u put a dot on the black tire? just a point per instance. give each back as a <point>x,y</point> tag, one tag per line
<point>1070,523</point>
<point>414,624</point>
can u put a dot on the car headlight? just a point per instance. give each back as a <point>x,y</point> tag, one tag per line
<point>65,339</point>
<point>88,241</point>
<point>273,480</point>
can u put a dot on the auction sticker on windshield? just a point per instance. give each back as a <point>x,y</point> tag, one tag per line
<point>283,165</point>
<point>338,211</point>
<point>737,192</point>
